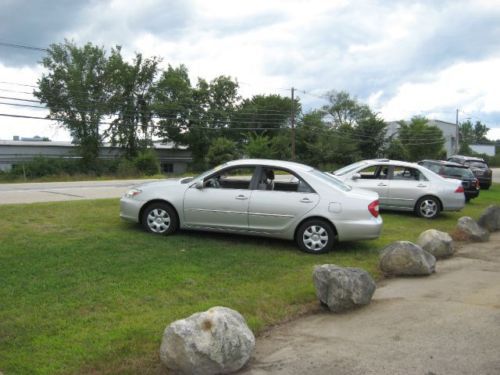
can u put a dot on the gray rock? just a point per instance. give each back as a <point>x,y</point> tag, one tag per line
<point>471,230</point>
<point>439,244</point>
<point>217,341</point>
<point>490,218</point>
<point>343,289</point>
<point>404,258</point>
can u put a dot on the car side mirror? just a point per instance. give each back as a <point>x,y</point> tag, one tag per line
<point>199,185</point>
<point>355,176</point>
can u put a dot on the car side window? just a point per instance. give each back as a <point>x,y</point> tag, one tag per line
<point>277,179</point>
<point>407,174</point>
<point>375,172</point>
<point>231,178</point>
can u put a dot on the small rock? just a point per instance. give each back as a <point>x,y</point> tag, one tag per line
<point>471,230</point>
<point>404,258</point>
<point>343,289</point>
<point>439,244</point>
<point>490,218</point>
<point>217,341</point>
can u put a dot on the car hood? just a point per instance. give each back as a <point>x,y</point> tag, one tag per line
<point>159,184</point>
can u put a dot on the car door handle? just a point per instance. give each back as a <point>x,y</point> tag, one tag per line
<point>421,185</point>
<point>241,197</point>
<point>382,184</point>
<point>306,200</point>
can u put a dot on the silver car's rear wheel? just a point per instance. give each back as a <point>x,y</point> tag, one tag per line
<point>315,236</point>
<point>428,207</point>
<point>159,218</point>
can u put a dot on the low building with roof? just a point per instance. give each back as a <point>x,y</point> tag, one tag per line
<point>172,159</point>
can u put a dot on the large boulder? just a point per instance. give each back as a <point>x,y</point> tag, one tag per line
<point>490,218</point>
<point>470,230</point>
<point>343,289</point>
<point>217,341</point>
<point>439,244</point>
<point>404,258</point>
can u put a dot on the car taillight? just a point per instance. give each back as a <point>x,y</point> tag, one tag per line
<point>459,189</point>
<point>477,183</point>
<point>373,208</point>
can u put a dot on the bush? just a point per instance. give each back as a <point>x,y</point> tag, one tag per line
<point>147,163</point>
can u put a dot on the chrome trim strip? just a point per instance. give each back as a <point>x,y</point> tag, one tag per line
<point>273,215</point>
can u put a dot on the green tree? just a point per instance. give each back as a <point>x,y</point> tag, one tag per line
<point>76,90</point>
<point>472,134</point>
<point>359,130</point>
<point>194,116</point>
<point>132,96</point>
<point>258,146</point>
<point>421,140</point>
<point>266,112</point>
<point>221,150</point>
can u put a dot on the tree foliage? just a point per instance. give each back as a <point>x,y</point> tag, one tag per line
<point>221,150</point>
<point>76,90</point>
<point>421,140</point>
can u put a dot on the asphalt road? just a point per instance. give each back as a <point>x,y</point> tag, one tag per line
<point>63,191</point>
<point>447,323</point>
<point>496,175</point>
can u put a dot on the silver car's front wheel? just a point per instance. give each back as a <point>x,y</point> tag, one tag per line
<point>315,236</point>
<point>427,207</point>
<point>159,218</point>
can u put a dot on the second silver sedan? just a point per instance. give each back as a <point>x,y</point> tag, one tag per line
<point>405,186</point>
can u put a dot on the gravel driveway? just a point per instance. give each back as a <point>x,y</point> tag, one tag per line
<point>448,323</point>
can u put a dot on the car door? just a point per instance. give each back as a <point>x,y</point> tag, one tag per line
<point>277,204</point>
<point>407,184</point>
<point>221,201</point>
<point>374,178</point>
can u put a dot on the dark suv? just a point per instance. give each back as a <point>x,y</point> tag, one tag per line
<point>478,166</point>
<point>449,169</point>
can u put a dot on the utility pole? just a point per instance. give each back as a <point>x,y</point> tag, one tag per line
<point>293,123</point>
<point>457,135</point>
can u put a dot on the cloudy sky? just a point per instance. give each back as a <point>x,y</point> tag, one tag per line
<point>403,58</point>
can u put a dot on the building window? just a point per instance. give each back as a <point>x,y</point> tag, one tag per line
<point>168,168</point>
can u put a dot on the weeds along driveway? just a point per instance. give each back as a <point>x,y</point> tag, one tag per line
<point>448,323</point>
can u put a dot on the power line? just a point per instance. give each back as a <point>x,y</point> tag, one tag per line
<point>22,46</point>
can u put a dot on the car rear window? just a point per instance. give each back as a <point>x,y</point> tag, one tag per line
<point>477,164</point>
<point>459,172</point>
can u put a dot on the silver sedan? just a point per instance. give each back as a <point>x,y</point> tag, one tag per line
<point>258,197</point>
<point>405,186</point>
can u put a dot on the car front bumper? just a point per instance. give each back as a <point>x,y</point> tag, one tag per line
<point>130,208</point>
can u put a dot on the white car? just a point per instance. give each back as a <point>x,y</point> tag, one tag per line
<point>259,197</point>
<point>405,186</point>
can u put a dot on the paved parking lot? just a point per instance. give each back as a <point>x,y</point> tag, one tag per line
<point>447,323</point>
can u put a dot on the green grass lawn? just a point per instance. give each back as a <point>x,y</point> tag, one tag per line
<point>83,292</point>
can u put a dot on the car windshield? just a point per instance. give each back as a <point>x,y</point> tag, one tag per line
<point>331,179</point>
<point>459,172</point>
<point>349,168</point>
<point>206,173</point>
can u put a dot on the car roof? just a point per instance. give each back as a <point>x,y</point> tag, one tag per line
<point>444,163</point>
<point>270,162</point>
<point>392,162</point>
<point>472,158</point>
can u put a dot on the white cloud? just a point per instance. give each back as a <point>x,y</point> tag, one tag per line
<point>470,87</point>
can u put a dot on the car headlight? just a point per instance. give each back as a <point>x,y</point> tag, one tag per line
<point>133,192</point>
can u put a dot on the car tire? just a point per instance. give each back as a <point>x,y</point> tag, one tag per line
<point>428,207</point>
<point>485,187</point>
<point>315,236</point>
<point>160,218</point>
